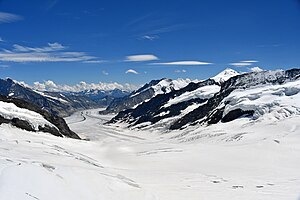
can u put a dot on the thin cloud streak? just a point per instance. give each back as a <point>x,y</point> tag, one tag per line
<point>180,71</point>
<point>95,61</point>
<point>4,66</point>
<point>54,52</point>
<point>105,73</point>
<point>9,17</point>
<point>249,61</point>
<point>183,63</point>
<point>52,4</point>
<point>240,64</point>
<point>51,47</point>
<point>141,58</point>
<point>149,37</point>
<point>131,71</point>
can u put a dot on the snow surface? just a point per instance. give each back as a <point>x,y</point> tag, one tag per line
<point>167,85</point>
<point>10,111</point>
<point>225,75</point>
<point>270,101</point>
<point>204,92</point>
<point>234,161</point>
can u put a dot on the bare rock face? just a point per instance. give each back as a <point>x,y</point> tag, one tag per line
<point>235,114</point>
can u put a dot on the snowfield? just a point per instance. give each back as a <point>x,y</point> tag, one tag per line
<point>235,161</point>
<point>270,101</point>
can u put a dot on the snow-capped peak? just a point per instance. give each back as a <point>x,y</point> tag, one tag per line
<point>167,85</point>
<point>225,75</point>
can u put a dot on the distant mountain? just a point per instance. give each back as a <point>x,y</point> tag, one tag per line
<point>59,103</point>
<point>145,93</point>
<point>223,98</point>
<point>27,116</point>
<point>102,97</point>
<point>225,75</point>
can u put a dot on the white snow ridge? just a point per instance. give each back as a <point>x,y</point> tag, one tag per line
<point>10,111</point>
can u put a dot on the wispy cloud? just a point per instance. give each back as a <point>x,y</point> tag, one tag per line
<point>9,17</point>
<point>105,73</point>
<point>51,4</point>
<point>141,58</point>
<point>249,61</point>
<point>180,71</point>
<point>131,71</point>
<point>4,66</point>
<point>95,61</point>
<point>54,52</point>
<point>51,47</point>
<point>135,22</point>
<point>183,63</point>
<point>244,63</point>
<point>240,64</point>
<point>166,29</point>
<point>150,37</point>
<point>155,24</point>
<point>269,45</point>
<point>1,40</point>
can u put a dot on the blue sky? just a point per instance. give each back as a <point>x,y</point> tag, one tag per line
<point>68,41</point>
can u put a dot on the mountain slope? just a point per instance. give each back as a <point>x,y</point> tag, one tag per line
<point>213,111</point>
<point>225,75</point>
<point>145,93</point>
<point>29,117</point>
<point>162,106</point>
<point>59,103</point>
<point>210,102</point>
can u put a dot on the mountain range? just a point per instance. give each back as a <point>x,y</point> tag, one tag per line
<point>164,104</point>
<point>223,98</point>
<point>59,103</point>
<point>145,93</point>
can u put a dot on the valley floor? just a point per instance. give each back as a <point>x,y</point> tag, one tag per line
<point>234,161</point>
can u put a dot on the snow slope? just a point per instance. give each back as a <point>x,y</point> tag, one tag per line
<point>234,161</point>
<point>166,85</point>
<point>10,111</point>
<point>205,92</point>
<point>274,102</point>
